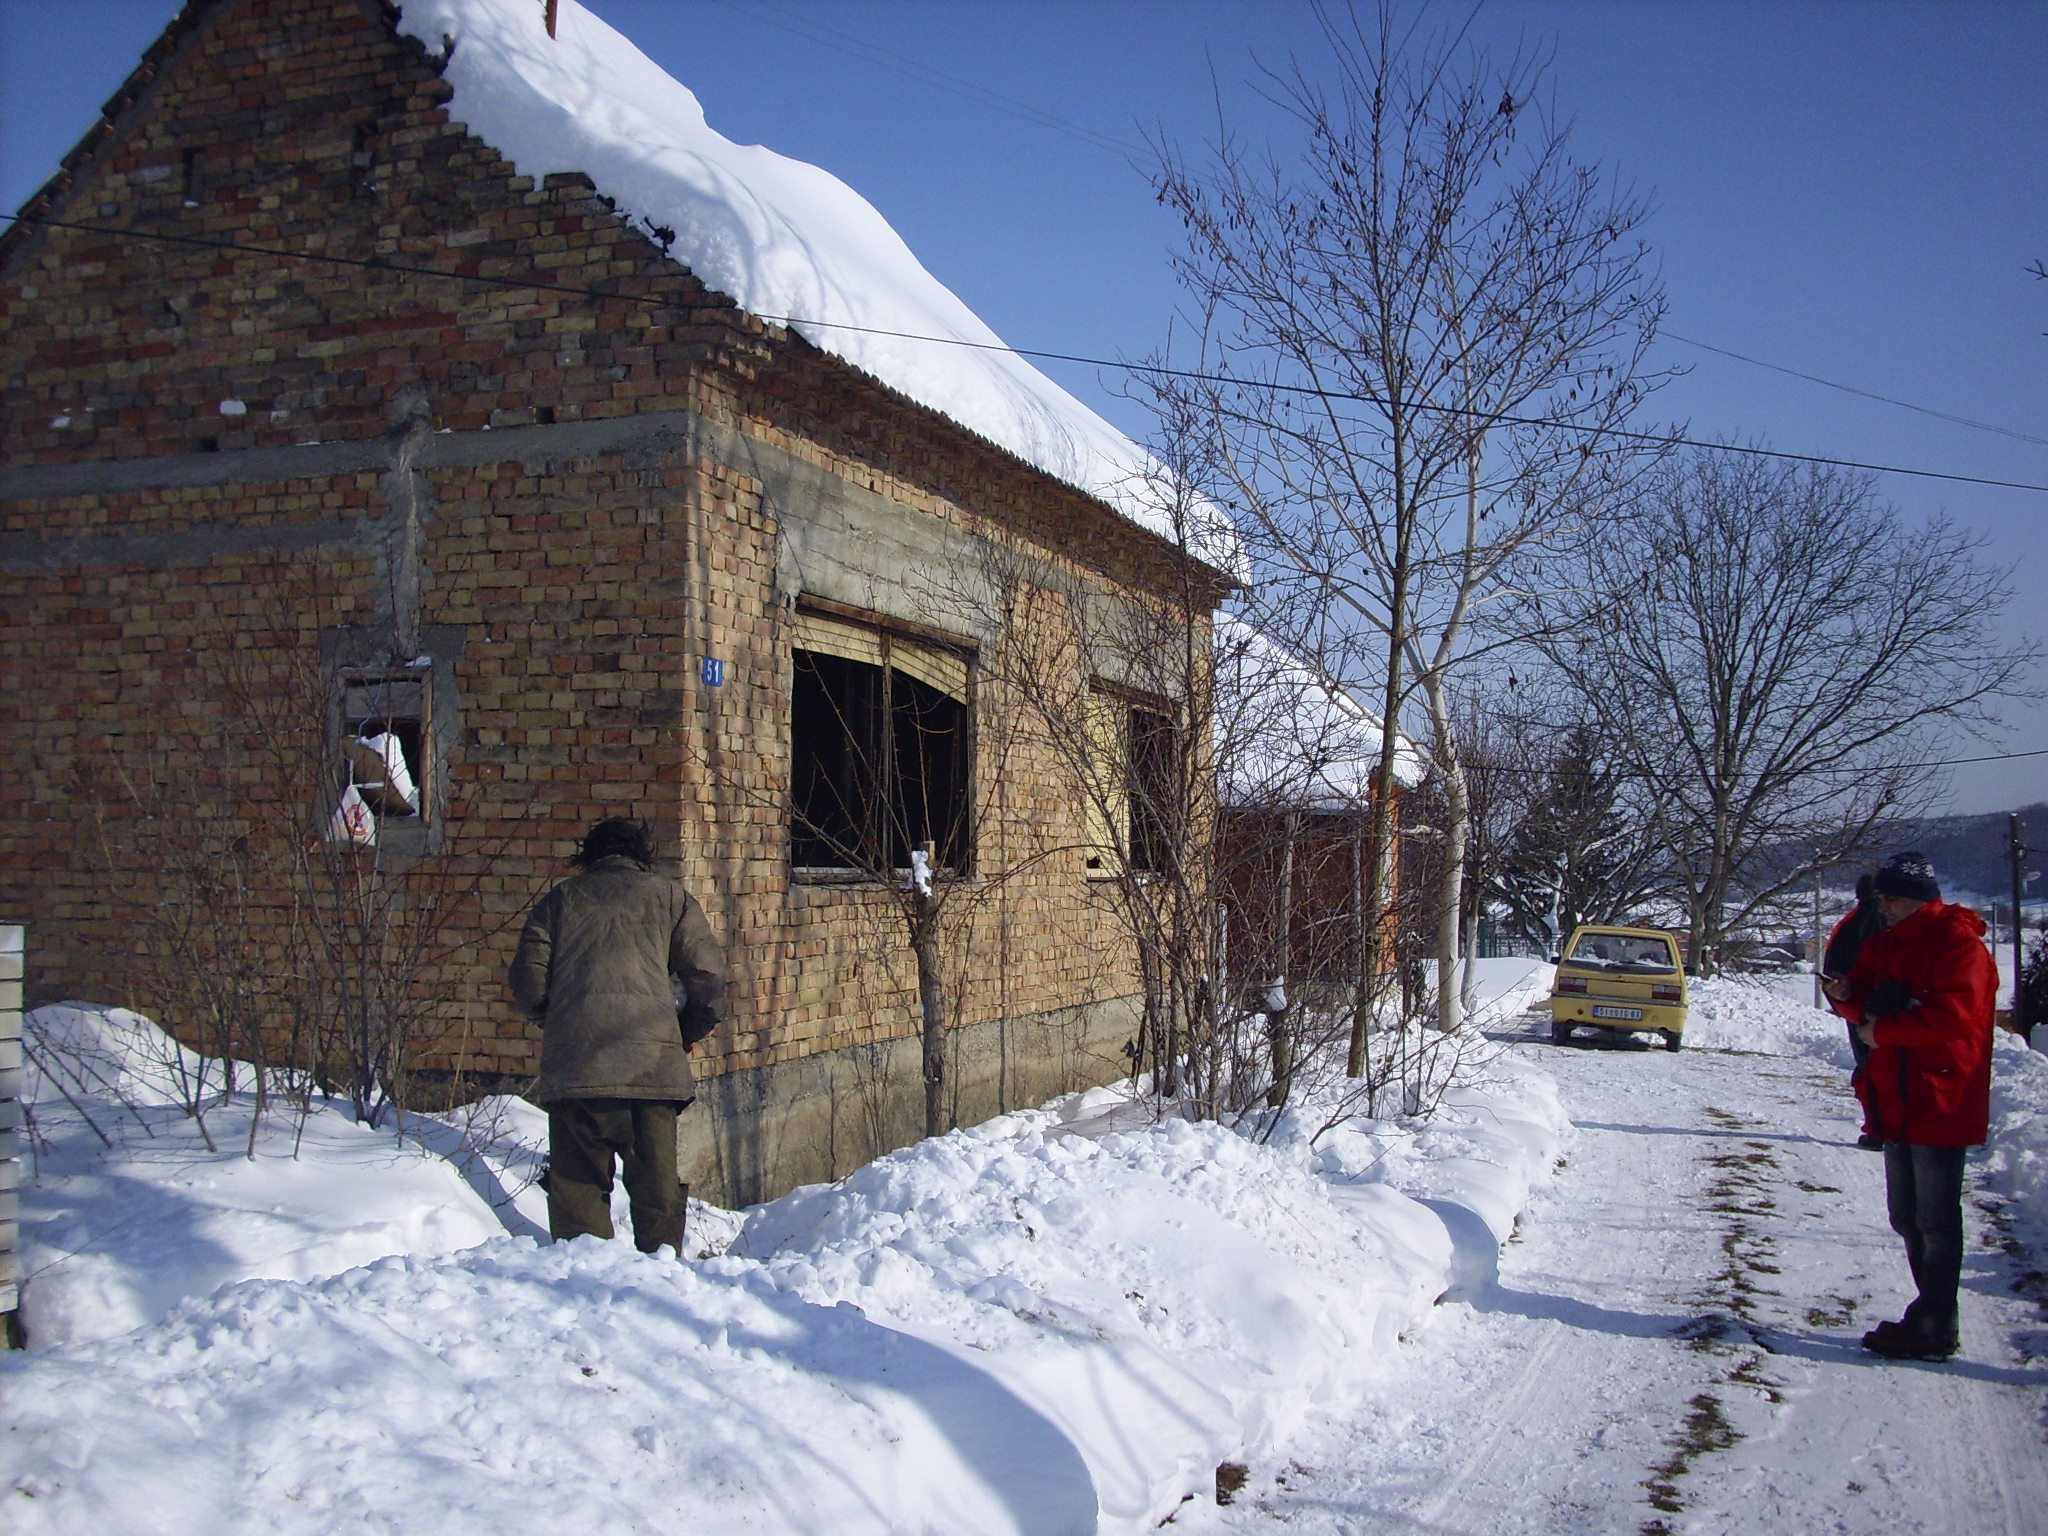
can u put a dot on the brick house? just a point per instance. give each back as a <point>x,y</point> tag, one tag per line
<point>353,479</point>
<point>1299,755</point>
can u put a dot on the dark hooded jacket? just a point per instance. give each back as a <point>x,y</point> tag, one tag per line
<point>598,967</point>
<point>1927,1081</point>
<point>1858,926</point>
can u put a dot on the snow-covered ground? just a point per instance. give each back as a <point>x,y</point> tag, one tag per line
<point>1604,1289</point>
<point>1671,1343</point>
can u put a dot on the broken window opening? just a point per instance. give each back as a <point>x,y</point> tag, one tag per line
<point>384,761</point>
<point>363,160</point>
<point>880,750</point>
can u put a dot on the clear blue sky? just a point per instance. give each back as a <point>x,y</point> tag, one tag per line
<point>1848,190</point>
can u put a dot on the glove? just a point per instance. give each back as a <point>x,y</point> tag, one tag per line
<point>696,1021</point>
<point>1887,997</point>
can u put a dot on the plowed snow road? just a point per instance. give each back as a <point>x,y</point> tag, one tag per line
<point>1672,1342</point>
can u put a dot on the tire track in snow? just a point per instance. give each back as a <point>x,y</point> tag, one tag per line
<point>1917,1447</point>
<point>1499,1469</point>
<point>1540,1407</point>
<point>1547,1406</point>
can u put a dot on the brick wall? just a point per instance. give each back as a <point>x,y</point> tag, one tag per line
<point>11,946</point>
<point>226,467</point>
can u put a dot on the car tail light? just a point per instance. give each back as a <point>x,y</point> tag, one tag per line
<point>1663,992</point>
<point>1571,984</point>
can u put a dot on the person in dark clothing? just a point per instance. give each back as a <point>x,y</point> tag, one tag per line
<point>1926,986</point>
<point>619,968</point>
<point>1838,959</point>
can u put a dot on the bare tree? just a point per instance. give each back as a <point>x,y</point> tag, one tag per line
<point>882,793</point>
<point>1417,342</point>
<point>1294,758</point>
<point>1118,692</point>
<point>1770,655</point>
<point>1500,784</point>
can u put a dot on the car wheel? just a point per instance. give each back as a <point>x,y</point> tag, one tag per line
<point>1560,1032</point>
<point>1671,1039</point>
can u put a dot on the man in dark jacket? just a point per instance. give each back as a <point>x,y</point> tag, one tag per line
<point>1838,959</point>
<point>1926,986</point>
<point>601,963</point>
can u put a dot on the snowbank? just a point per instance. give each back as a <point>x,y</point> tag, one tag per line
<point>1018,1327</point>
<point>1059,1321</point>
<point>116,1232</point>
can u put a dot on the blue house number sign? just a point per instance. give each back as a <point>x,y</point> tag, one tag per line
<point>714,672</point>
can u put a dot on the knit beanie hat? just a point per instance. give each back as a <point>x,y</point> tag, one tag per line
<point>620,835</point>
<point>1908,875</point>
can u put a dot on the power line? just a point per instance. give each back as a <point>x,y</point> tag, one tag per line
<point>1851,389</point>
<point>1617,774</point>
<point>539,285</point>
<point>861,48</point>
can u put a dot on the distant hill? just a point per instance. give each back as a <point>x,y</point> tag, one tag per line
<point>1972,855</point>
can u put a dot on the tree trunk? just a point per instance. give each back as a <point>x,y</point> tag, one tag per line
<point>1450,991</point>
<point>931,1000</point>
<point>1279,1029</point>
<point>1380,881</point>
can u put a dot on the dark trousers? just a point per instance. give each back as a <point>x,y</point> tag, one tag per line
<point>1859,1053</point>
<point>584,1136</point>
<point>1923,1189</point>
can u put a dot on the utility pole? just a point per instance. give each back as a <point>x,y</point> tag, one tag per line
<point>1820,943</point>
<point>2019,996</point>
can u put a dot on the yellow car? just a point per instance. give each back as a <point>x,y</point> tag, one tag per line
<point>1619,978</point>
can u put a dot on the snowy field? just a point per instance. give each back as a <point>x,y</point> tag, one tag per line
<point>1604,1289</point>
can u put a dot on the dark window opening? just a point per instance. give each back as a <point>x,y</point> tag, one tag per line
<point>1154,745</point>
<point>1133,793</point>
<point>880,756</point>
<point>835,758</point>
<point>929,756</point>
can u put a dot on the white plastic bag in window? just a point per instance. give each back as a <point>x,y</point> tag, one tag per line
<point>398,784</point>
<point>352,821</point>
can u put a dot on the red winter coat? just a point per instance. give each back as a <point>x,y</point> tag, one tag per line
<point>1927,1082</point>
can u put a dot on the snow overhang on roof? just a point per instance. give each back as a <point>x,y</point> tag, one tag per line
<point>1288,733</point>
<point>787,241</point>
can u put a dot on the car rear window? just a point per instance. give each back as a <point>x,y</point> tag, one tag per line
<point>1623,952</point>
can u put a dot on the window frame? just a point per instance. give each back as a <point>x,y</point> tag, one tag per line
<point>907,673</point>
<point>1138,844</point>
<point>400,699</point>
<point>353,659</point>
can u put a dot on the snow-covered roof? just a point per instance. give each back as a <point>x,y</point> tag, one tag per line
<point>788,241</point>
<point>1289,734</point>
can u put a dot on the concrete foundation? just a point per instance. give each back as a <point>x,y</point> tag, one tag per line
<point>753,1135</point>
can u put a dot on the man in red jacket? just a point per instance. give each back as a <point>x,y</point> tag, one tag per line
<point>1926,986</point>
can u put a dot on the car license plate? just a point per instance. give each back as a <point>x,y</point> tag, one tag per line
<point>1604,1012</point>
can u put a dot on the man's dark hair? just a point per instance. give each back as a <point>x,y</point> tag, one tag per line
<point>610,839</point>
